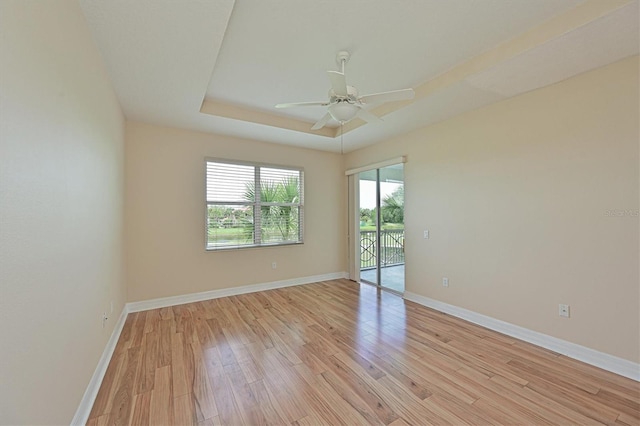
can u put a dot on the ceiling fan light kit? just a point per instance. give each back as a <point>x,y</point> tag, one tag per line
<point>342,111</point>
<point>344,103</point>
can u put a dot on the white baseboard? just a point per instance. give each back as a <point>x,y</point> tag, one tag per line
<point>590,356</point>
<point>145,305</point>
<point>89,397</point>
<point>599,359</point>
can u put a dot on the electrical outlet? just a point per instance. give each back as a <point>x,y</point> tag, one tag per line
<point>274,265</point>
<point>104,318</point>
<point>445,282</point>
<point>563,310</point>
<point>426,234</point>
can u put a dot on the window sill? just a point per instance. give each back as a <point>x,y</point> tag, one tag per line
<point>253,246</point>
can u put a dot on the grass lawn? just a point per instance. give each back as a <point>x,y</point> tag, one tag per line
<point>239,236</point>
<point>228,236</point>
<point>385,227</point>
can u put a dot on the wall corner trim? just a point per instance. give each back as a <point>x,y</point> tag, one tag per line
<point>90,394</point>
<point>596,358</point>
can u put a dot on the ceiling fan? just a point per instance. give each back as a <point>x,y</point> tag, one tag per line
<point>344,104</point>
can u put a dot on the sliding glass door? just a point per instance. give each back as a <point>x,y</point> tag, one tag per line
<point>369,249</point>
<point>381,226</point>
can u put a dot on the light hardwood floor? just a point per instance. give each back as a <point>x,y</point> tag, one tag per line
<point>338,352</point>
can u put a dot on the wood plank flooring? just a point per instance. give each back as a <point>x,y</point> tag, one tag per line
<point>338,352</point>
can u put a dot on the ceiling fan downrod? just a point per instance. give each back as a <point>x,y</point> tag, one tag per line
<point>342,58</point>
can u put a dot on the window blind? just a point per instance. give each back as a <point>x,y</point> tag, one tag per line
<point>253,205</point>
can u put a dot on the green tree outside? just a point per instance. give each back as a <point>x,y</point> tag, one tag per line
<point>393,207</point>
<point>279,222</point>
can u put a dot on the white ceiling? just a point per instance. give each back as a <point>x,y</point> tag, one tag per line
<point>167,57</point>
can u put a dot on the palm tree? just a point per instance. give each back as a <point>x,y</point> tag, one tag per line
<point>283,218</point>
<point>393,206</point>
<point>290,193</point>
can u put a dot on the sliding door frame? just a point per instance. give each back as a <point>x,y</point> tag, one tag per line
<point>353,236</point>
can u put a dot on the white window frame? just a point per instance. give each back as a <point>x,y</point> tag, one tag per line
<point>256,204</point>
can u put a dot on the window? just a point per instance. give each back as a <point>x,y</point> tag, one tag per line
<point>253,205</point>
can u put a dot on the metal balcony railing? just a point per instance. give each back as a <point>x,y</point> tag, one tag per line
<point>391,248</point>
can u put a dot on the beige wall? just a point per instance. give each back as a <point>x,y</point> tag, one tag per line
<point>165,215</point>
<point>515,196</point>
<point>61,210</point>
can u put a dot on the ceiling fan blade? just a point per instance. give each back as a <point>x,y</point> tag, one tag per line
<point>338,83</point>
<point>394,95</point>
<point>298,104</point>
<point>320,124</point>
<point>368,116</point>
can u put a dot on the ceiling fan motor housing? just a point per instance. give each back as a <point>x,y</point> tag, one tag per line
<point>352,96</point>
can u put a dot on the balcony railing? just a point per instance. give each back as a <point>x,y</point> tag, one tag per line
<point>391,248</point>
